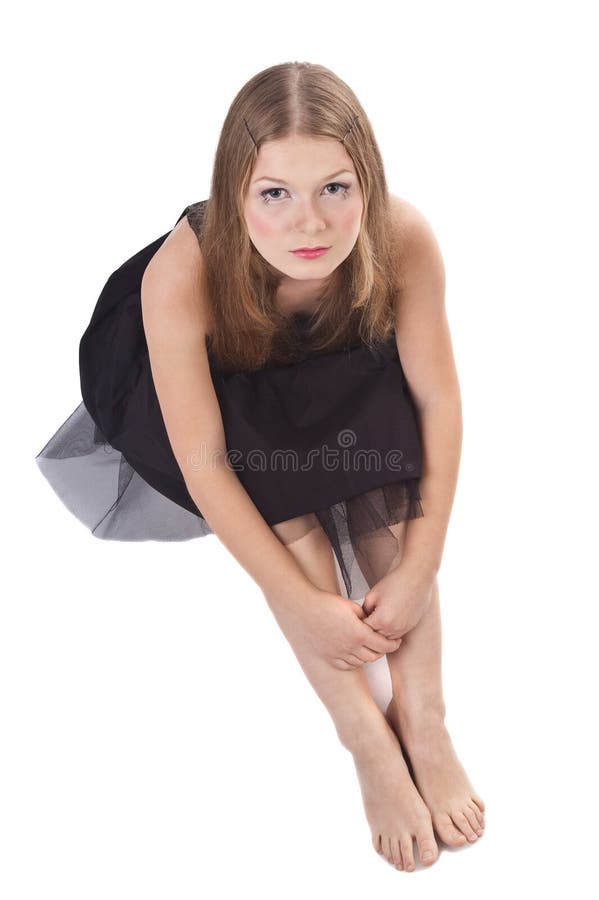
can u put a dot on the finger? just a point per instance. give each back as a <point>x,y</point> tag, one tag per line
<point>341,664</point>
<point>375,625</point>
<point>366,654</point>
<point>396,644</point>
<point>354,660</point>
<point>394,635</point>
<point>380,644</point>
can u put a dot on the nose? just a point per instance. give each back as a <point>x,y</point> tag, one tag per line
<point>308,218</point>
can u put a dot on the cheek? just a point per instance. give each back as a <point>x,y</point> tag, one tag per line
<point>350,222</point>
<point>260,226</point>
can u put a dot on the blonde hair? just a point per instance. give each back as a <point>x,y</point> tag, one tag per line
<point>294,98</point>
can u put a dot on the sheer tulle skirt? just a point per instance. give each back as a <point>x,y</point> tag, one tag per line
<point>99,486</point>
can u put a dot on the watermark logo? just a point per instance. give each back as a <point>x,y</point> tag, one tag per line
<point>346,456</point>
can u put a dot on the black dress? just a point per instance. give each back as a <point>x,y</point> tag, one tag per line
<point>334,434</point>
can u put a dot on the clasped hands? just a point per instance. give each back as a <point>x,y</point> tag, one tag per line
<point>396,603</point>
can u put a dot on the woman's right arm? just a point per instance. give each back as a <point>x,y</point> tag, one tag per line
<point>176,320</point>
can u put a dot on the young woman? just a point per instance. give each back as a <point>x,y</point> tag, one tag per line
<point>277,370</point>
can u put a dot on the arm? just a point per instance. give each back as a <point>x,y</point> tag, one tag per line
<point>425,349</point>
<point>176,320</point>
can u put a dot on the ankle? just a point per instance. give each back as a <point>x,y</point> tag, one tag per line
<point>363,735</point>
<point>420,713</point>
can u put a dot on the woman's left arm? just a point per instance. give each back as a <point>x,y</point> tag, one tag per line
<point>395,604</point>
<point>425,350</point>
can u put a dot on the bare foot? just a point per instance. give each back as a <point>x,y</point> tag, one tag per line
<point>395,811</point>
<point>456,810</point>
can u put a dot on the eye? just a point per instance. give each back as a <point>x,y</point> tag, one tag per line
<point>268,199</point>
<point>345,188</point>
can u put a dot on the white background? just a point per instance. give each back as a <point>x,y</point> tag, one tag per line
<point>159,738</point>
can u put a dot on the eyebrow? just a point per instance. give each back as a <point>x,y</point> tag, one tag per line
<point>280,180</point>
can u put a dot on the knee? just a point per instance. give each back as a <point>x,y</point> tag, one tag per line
<point>293,530</point>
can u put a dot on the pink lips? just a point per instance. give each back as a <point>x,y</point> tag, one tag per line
<point>310,252</point>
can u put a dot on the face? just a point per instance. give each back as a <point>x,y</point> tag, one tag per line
<point>303,192</point>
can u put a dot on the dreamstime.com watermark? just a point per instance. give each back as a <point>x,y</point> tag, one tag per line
<point>331,459</point>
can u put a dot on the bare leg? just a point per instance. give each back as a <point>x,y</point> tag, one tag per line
<point>395,811</point>
<point>417,714</point>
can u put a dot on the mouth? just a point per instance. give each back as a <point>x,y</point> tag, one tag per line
<point>310,252</point>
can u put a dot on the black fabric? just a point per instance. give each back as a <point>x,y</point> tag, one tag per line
<point>334,434</point>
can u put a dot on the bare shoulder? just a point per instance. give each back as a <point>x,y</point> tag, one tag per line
<point>421,326</point>
<point>174,279</point>
<point>176,323</point>
<point>415,239</point>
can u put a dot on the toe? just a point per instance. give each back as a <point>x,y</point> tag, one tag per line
<point>480,819</point>
<point>376,843</point>
<point>478,802</point>
<point>447,831</point>
<point>427,851</point>
<point>464,825</point>
<point>407,852</point>
<point>472,819</point>
<point>425,840</point>
<point>396,852</point>
<point>388,849</point>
